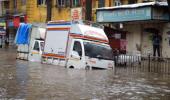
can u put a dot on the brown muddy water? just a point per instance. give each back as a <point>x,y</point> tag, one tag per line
<point>22,80</point>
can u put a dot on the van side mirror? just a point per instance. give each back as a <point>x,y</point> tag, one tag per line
<point>75,54</point>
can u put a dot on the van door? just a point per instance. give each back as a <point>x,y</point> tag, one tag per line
<point>76,56</point>
<point>35,54</point>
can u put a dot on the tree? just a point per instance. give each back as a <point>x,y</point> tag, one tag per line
<point>49,10</point>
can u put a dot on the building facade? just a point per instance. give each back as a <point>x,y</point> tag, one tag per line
<point>12,13</point>
<point>15,12</point>
<point>134,24</point>
<point>110,3</point>
<point>61,10</point>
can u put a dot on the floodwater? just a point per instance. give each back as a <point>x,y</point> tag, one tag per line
<point>22,80</point>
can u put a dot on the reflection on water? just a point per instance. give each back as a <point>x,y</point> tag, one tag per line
<point>34,81</point>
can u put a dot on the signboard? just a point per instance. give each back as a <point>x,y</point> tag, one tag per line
<point>2,28</point>
<point>76,13</point>
<point>160,14</point>
<point>132,14</point>
<point>2,31</point>
<point>10,23</point>
<point>120,15</point>
<point>16,21</point>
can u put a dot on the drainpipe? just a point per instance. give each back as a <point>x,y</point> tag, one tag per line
<point>15,6</point>
<point>88,10</point>
<point>49,10</point>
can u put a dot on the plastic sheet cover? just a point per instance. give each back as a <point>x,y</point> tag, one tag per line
<point>23,34</point>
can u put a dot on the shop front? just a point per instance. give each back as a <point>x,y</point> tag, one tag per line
<point>2,31</point>
<point>12,24</point>
<point>138,22</point>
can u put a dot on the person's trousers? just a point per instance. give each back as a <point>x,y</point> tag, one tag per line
<point>156,48</point>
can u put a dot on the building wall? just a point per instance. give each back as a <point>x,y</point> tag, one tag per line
<point>34,12</point>
<point>137,36</point>
<point>61,14</point>
<point>38,13</point>
<point>147,46</point>
<point>166,41</point>
<point>20,7</point>
<point>110,3</point>
<point>133,37</point>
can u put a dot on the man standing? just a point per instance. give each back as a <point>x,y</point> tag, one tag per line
<point>156,44</point>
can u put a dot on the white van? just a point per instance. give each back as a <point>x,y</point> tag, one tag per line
<point>31,51</point>
<point>76,45</point>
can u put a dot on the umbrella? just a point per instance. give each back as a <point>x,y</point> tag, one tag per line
<point>151,30</point>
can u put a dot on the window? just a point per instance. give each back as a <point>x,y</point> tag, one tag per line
<point>6,4</point>
<point>117,2</point>
<point>77,47</point>
<point>67,3</point>
<point>93,50</point>
<point>76,3</point>
<point>132,1</point>
<point>36,46</point>
<point>60,3</point>
<point>101,3</point>
<point>41,2</point>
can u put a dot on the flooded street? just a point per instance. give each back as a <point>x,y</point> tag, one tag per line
<point>34,81</point>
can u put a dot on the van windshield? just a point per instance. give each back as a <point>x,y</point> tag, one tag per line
<point>93,50</point>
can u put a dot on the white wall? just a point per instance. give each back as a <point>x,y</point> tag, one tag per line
<point>165,41</point>
<point>133,37</point>
<point>136,35</point>
<point>147,46</point>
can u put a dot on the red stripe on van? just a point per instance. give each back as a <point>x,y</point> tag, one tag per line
<point>53,55</point>
<point>88,38</point>
<point>61,29</point>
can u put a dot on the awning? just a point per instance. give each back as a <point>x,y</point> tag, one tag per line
<point>130,6</point>
<point>4,0</point>
<point>126,13</point>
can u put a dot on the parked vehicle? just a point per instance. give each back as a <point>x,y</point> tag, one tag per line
<point>30,41</point>
<point>76,45</point>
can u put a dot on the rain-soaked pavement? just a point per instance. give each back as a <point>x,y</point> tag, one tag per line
<point>34,81</point>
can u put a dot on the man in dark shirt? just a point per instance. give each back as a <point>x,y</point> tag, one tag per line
<point>156,44</point>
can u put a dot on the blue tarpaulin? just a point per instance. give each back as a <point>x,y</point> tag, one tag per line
<point>23,33</point>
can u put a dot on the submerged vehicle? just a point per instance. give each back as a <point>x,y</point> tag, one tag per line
<point>71,44</point>
<point>76,45</point>
<point>30,41</point>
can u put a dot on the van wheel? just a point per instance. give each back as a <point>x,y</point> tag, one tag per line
<point>72,67</point>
